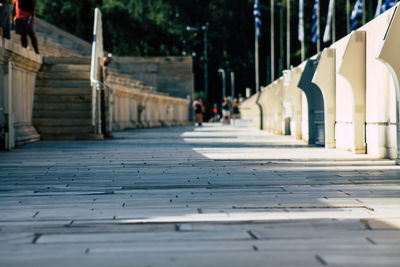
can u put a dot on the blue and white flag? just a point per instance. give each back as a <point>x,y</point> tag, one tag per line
<point>386,6</point>
<point>327,33</point>
<point>356,14</point>
<point>257,18</point>
<point>301,21</point>
<point>315,23</point>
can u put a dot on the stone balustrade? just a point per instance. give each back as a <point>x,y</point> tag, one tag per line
<point>342,98</point>
<point>17,93</point>
<point>134,105</point>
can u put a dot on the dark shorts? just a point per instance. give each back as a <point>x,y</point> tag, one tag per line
<point>23,26</point>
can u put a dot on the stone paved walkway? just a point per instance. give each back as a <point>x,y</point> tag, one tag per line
<point>210,196</point>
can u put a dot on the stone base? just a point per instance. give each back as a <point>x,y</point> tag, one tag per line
<point>25,135</point>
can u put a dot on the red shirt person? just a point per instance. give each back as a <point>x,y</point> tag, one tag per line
<point>23,16</point>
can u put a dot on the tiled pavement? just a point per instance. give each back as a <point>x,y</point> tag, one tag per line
<point>209,196</point>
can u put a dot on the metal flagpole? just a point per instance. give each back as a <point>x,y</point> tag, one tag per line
<point>257,33</point>
<point>272,42</point>
<point>334,22</point>
<point>364,14</point>
<point>288,34</point>
<point>348,15</point>
<point>318,29</point>
<point>257,62</point>
<point>233,85</point>
<point>301,30</point>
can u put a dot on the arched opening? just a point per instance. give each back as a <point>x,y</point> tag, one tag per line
<point>316,113</point>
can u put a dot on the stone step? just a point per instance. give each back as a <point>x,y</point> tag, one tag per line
<point>65,130</point>
<point>62,106</point>
<point>77,91</point>
<point>82,75</point>
<point>66,68</point>
<point>63,83</point>
<point>61,114</point>
<point>59,137</point>
<point>64,122</point>
<point>67,60</point>
<point>47,99</point>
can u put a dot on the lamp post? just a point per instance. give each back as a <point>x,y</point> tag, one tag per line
<point>233,85</point>
<point>204,28</point>
<point>222,72</point>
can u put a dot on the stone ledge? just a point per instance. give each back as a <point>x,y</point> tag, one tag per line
<point>21,57</point>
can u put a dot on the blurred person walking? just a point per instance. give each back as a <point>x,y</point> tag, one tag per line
<point>235,109</point>
<point>23,17</point>
<point>199,107</point>
<point>226,111</point>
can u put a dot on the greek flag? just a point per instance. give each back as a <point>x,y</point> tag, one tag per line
<point>257,18</point>
<point>315,22</point>
<point>388,5</point>
<point>301,21</point>
<point>327,33</point>
<point>356,14</point>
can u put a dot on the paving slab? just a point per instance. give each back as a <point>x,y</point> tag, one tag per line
<point>197,196</point>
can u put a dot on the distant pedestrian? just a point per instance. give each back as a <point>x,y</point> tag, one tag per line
<point>199,107</point>
<point>226,111</point>
<point>235,109</point>
<point>106,61</point>
<point>23,17</point>
<point>4,19</point>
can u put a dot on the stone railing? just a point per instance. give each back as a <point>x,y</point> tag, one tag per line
<point>18,71</point>
<point>344,97</point>
<point>134,105</point>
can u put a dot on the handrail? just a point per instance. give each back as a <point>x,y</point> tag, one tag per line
<point>97,56</point>
<point>97,46</point>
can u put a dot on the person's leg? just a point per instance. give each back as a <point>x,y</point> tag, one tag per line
<point>197,118</point>
<point>1,31</point>
<point>24,40</point>
<point>34,41</point>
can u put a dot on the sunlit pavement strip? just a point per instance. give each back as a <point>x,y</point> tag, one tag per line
<point>205,196</point>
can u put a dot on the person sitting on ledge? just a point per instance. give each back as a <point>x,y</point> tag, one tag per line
<point>23,17</point>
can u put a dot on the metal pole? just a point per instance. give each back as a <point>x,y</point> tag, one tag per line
<point>348,15</point>
<point>281,42</point>
<point>98,97</point>
<point>272,42</point>
<point>398,128</point>
<point>233,84</point>
<point>222,72</point>
<point>334,22</point>
<point>364,17</point>
<point>257,75</point>
<point>301,21</point>
<point>288,34</point>
<point>205,31</point>
<point>318,29</point>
